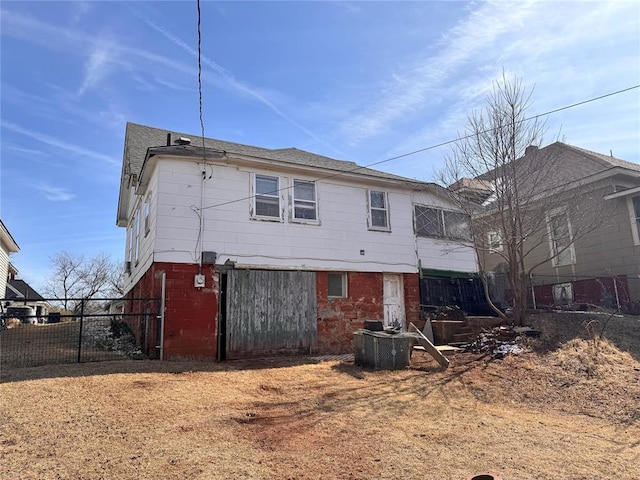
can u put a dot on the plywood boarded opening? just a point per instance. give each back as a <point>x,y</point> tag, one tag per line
<point>270,312</point>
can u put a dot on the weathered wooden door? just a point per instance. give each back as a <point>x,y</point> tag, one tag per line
<point>393,300</point>
<point>270,312</point>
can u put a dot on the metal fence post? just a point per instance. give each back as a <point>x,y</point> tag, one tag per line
<point>80,334</point>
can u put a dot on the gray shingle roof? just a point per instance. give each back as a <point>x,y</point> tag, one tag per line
<point>560,164</point>
<point>140,137</point>
<point>24,290</point>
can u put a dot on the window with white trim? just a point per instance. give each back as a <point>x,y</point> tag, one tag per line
<point>435,222</point>
<point>495,241</point>
<point>129,248</point>
<point>636,209</point>
<point>136,251</point>
<point>378,210</point>
<point>147,209</point>
<point>305,205</point>
<point>561,239</point>
<point>337,285</point>
<point>266,199</point>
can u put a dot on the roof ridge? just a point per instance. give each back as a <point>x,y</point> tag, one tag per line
<point>610,160</point>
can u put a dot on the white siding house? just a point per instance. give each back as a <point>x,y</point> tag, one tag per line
<point>199,217</point>
<point>7,246</point>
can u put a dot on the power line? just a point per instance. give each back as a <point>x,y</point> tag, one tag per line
<point>200,75</point>
<point>438,145</point>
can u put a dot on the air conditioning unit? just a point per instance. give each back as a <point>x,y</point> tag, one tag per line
<point>127,267</point>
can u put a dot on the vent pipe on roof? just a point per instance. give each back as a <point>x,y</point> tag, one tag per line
<point>168,139</point>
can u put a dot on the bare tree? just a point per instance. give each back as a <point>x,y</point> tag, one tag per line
<point>75,277</point>
<point>513,193</point>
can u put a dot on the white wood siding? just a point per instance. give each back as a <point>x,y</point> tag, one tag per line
<point>147,241</point>
<point>4,269</point>
<point>334,243</point>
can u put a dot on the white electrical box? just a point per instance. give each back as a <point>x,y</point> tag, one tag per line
<point>198,281</point>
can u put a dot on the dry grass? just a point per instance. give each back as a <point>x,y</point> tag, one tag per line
<point>561,411</point>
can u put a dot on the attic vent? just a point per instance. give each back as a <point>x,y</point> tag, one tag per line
<point>183,141</point>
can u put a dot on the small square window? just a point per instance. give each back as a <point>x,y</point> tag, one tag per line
<point>337,285</point>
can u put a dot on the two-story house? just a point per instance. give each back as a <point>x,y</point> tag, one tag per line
<point>257,251</point>
<point>584,244</point>
<point>7,246</point>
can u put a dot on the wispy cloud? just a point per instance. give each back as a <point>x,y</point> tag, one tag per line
<point>28,151</point>
<point>60,144</point>
<point>551,49</point>
<point>228,77</point>
<point>404,93</point>
<point>106,55</point>
<point>97,66</point>
<point>54,194</point>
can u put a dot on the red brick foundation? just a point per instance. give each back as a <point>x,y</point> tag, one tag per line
<point>338,318</point>
<point>191,313</point>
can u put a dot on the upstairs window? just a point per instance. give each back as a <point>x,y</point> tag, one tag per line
<point>147,209</point>
<point>136,251</point>
<point>435,222</point>
<point>305,206</point>
<point>636,210</point>
<point>378,210</point>
<point>495,241</point>
<point>267,197</point>
<point>561,239</point>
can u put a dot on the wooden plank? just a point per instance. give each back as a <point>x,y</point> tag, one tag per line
<point>428,346</point>
<point>270,311</point>
<point>428,330</point>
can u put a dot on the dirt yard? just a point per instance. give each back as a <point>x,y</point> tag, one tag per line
<point>566,408</point>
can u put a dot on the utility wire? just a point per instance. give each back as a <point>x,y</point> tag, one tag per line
<point>431,147</point>
<point>200,76</point>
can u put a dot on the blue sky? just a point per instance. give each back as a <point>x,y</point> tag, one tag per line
<point>360,81</point>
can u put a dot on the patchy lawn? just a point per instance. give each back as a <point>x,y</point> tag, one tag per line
<point>569,408</point>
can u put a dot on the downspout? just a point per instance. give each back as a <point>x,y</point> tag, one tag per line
<point>615,289</point>
<point>162,294</point>
<point>533,292</point>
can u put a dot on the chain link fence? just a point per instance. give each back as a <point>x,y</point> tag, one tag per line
<point>94,331</point>
<point>611,292</point>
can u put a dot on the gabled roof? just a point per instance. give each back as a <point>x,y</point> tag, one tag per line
<point>561,165</point>
<point>20,290</point>
<point>139,139</point>
<point>7,239</point>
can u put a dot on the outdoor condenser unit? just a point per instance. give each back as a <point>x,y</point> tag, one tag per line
<point>382,350</point>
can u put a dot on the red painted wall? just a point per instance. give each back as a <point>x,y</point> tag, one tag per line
<point>191,313</point>
<point>338,318</point>
<point>595,291</point>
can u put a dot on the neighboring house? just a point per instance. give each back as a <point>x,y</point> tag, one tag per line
<point>7,246</point>
<point>20,296</point>
<point>590,241</point>
<point>263,251</point>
